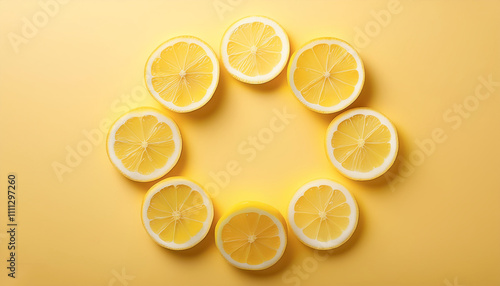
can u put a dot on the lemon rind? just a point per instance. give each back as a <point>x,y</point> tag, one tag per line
<point>206,224</point>
<point>262,209</point>
<point>344,103</point>
<point>334,243</point>
<point>389,160</point>
<point>158,173</point>
<point>285,53</point>
<point>211,89</point>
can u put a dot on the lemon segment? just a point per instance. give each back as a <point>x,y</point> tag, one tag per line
<point>182,74</point>
<point>144,144</point>
<point>326,75</point>
<point>362,143</point>
<point>177,213</point>
<point>252,236</point>
<point>255,49</point>
<point>323,214</point>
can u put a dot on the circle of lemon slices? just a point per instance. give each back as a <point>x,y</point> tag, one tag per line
<point>255,49</point>
<point>326,75</point>
<point>144,144</point>
<point>361,143</point>
<point>177,213</point>
<point>251,236</point>
<point>323,214</point>
<point>182,73</point>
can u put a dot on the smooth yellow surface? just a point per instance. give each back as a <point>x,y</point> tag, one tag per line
<point>435,223</point>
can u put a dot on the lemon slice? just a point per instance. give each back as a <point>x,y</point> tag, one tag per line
<point>255,49</point>
<point>177,213</point>
<point>182,74</point>
<point>326,75</point>
<point>251,236</point>
<point>362,143</point>
<point>323,214</point>
<point>144,144</point>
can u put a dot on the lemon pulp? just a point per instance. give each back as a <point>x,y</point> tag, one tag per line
<point>254,49</point>
<point>251,238</point>
<point>326,74</point>
<point>182,73</point>
<point>143,144</point>
<point>322,213</point>
<point>176,213</point>
<point>361,143</point>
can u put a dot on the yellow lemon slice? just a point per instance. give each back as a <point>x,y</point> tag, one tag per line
<point>326,75</point>
<point>255,49</point>
<point>177,213</point>
<point>323,214</point>
<point>144,144</point>
<point>362,143</point>
<point>182,74</point>
<point>251,236</point>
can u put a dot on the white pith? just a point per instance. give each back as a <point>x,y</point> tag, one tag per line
<point>353,217</point>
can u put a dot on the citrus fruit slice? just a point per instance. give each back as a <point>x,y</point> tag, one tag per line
<point>182,74</point>
<point>323,214</point>
<point>251,236</point>
<point>361,143</point>
<point>255,49</point>
<point>144,144</point>
<point>177,213</point>
<point>326,75</point>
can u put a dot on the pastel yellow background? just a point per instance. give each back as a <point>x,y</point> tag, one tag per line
<point>433,221</point>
